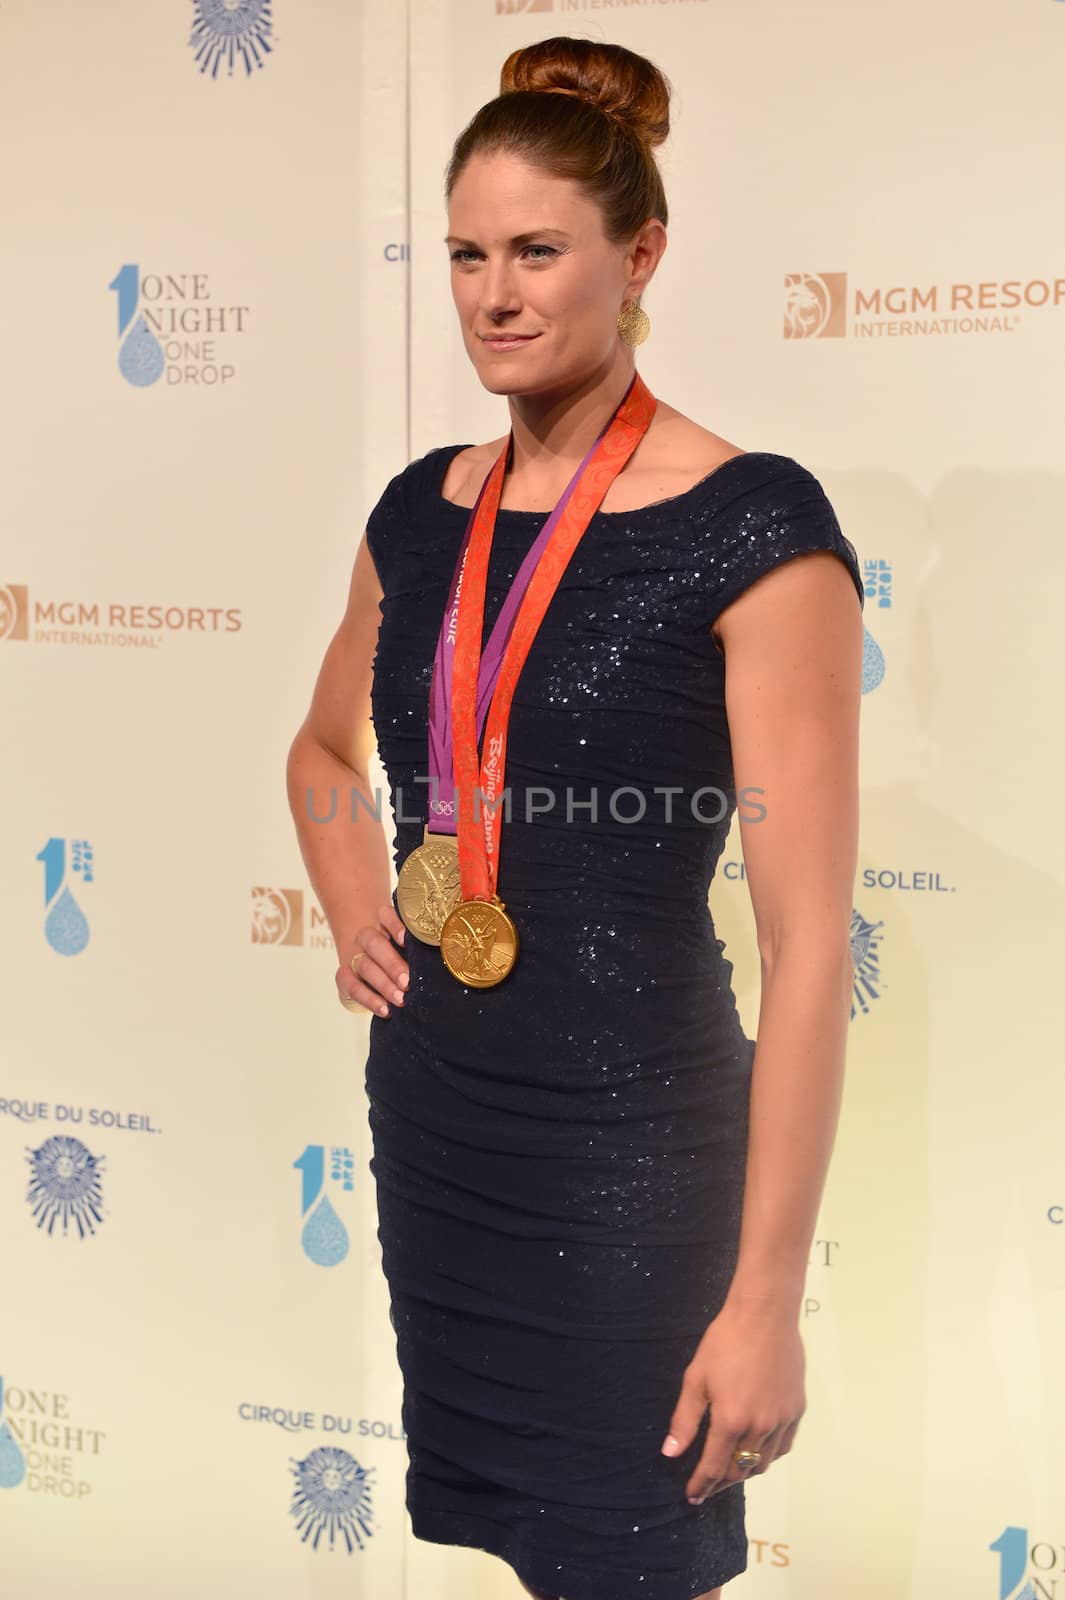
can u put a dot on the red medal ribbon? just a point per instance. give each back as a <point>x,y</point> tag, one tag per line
<point>478,841</point>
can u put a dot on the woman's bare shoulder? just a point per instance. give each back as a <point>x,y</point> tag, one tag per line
<point>675,454</point>
<point>677,444</point>
<point>467,469</point>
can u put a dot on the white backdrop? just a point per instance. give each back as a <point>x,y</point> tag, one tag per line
<point>226,323</point>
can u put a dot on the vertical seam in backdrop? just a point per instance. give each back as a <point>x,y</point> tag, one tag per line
<point>408,406</point>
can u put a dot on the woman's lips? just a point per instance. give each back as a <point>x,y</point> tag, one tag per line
<point>509,341</point>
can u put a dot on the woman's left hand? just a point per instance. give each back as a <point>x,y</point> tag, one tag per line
<point>749,1369</point>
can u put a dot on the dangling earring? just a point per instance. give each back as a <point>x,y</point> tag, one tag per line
<point>633,324</point>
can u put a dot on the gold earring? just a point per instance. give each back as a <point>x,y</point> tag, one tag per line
<point>633,324</point>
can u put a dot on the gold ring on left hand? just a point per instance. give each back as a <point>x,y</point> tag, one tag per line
<point>746,1459</point>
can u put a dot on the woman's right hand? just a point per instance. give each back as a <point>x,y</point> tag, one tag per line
<point>382,973</point>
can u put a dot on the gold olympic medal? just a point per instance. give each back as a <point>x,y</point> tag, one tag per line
<point>429,886</point>
<point>479,942</point>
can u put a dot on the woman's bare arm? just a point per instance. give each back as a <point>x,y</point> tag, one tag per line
<point>347,856</point>
<point>793,648</point>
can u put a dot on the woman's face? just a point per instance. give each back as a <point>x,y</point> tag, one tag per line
<point>529,258</point>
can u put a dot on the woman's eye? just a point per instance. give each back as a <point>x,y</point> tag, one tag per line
<point>462,255</point>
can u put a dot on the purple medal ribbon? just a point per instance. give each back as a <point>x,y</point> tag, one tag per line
<point>442,810</point>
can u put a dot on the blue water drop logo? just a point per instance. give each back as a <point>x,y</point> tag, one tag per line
<point>66,926</point>
<point>325,1238</point>
<point>140,357</point>
<point>872,664</point>
<point>12,1461</point>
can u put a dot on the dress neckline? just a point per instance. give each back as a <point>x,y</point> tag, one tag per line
<point>449,452</point>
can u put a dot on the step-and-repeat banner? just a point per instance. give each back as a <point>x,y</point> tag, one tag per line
<point>226,322</point>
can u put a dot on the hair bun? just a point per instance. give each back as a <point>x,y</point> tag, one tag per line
<point>624,85</point>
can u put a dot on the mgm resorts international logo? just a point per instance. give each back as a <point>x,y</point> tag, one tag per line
<point>43,1449</point>
<point>26,618</point>
<point>278,916</point>
<point>231,32</point>
<point>169,326</point>
<point>822,305</point>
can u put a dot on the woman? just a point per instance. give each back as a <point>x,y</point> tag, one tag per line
<point>596,1197</point>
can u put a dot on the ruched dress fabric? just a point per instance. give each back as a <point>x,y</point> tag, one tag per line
<point>559,1160</point>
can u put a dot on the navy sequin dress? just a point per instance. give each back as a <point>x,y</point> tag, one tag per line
<point>559,1160</point>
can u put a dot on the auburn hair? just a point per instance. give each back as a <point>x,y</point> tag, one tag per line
<point>582,110</point>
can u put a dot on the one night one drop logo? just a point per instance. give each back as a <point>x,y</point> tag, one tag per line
<point>140,355</point>
<point>1016,1551</point>
<point>324,1237</point>
<point>12,1461</point>
<point>66,926</point>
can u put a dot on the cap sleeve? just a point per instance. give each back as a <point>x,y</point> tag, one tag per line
<point>406,495</point>
<point>782,512</point>
<point>385,524</point>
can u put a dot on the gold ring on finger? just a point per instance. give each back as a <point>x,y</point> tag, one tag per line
<point>746,1459</point>
<point>356,958</point>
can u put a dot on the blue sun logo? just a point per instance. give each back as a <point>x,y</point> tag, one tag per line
<point>865,954</point>
<point>65,1186</point>
<point>333,1499</point>
<point>231,31</point>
